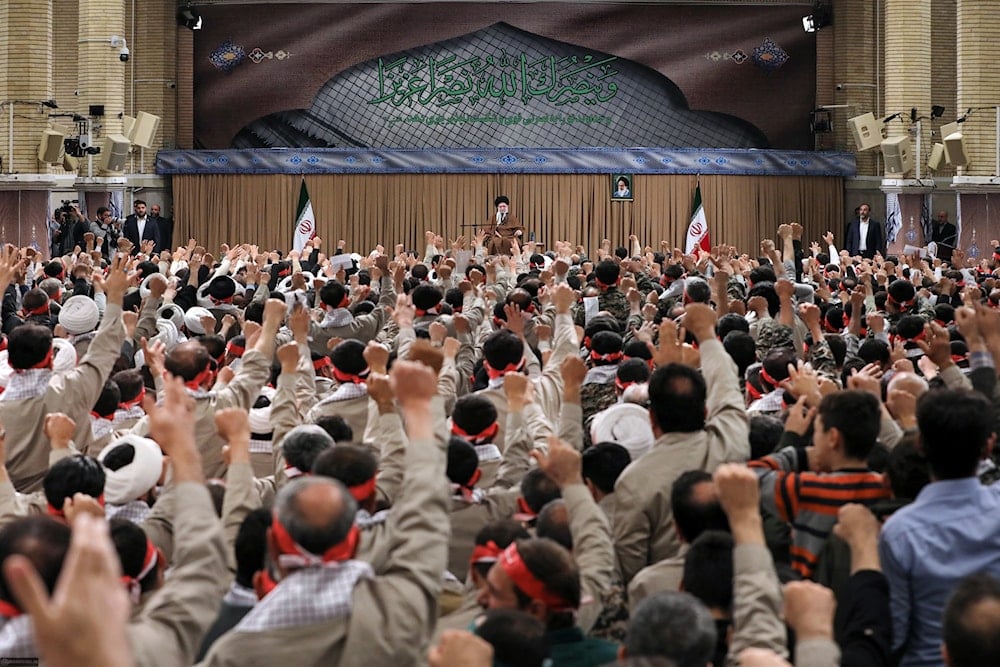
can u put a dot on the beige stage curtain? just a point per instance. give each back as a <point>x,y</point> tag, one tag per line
<point>367,209</point>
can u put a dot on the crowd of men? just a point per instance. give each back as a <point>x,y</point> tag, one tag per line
<point>617,455</point>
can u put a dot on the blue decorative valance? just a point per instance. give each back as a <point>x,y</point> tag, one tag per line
<point>746,162</point>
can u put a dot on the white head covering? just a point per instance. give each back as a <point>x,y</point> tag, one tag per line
<point>286,283</point>
<point>176,314</point>
<point>136,478</point>
<point>79,315</point>
<point>144,285</point>
<point>5,369</point>
<point>63,356</point>
<point>192,319</point>
<point>624,423</point>
<point>166,332</point>
<point>260,418</point>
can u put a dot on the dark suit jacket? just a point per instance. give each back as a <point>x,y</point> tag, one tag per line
<point>946,236</point>
<point>875,240</point>
<point>130,230</point>
<point>165,226</point>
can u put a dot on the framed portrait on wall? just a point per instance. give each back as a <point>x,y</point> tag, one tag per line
<point>621,187</point>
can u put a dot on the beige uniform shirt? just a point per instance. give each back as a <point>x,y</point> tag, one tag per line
<point>73,394</point>
<point>392,615</point>
<point>253,374</point>
<point>643,525</point>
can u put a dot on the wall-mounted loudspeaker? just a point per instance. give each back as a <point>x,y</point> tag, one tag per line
<point>144,129</point>
<point>898,156</point>
<point>128,122</point>
<point>954,145</point>
<point>50,148</point>
<point>936,159</point>
<point>114,153</point>
<point>866,130</point>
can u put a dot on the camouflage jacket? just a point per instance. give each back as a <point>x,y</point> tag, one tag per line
<point>610,300</point>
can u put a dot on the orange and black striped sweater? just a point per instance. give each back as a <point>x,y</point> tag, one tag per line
<point>809,501</point>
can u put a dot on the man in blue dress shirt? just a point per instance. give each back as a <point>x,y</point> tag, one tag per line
<point>950,531</point>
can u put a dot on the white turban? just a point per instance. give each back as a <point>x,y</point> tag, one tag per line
<point>132,480</point>
<point>79,315</point>
<point>624,423</point>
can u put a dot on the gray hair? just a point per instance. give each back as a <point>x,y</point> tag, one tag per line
<point>672,625</point>
<point>303,444</point>
<point>313,538</point>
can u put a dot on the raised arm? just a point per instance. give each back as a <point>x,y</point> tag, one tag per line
<point>756,589</point>
<point>174,620</point>
<point>404,597</point>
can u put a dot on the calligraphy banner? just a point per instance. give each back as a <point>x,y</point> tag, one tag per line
<point>490,75</point>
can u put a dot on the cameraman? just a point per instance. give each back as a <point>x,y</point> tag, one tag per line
<point>72,227</point>
<point>104,227</point>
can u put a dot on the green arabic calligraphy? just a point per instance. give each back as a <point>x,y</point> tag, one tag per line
<point>445,80</point>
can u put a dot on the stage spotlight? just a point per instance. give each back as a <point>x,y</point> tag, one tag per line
<point>821,17</point>
<point>188,17</point>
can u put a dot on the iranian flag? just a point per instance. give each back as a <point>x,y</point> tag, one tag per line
<point>305,221</point>
<point>697,234</point>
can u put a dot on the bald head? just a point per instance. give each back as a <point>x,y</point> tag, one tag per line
<point>317,512</point>
<point>908,382</point>
<point>187,360</point>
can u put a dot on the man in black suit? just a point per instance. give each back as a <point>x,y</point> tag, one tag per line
<point>865,236</point>
<point>140,227</point>
<point>166,227</point>
<point>945,235</point>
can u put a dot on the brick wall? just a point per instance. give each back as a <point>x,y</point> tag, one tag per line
<point>978,33</point>
<point>943,67</point>
<point>27,33</point>
<point>865,34</point>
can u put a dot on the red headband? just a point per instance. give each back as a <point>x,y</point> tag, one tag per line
<point>133,584</point>
<point>321,363</point>
<point>59,513</point>
<point>195,384</point>
<point>515,568</point>
<point>8,610</point>
<point>622,386</point>
<point>420,312</point>
<point>293,555</point>
<point>494,373</point>
<point>345,302</point>
<point>41,310</point>
<point>361,492</point>
<point>766,377</point>
<point>901,304</point>
<point>342,377</point>
<point>908,339</point>
<point>44,363</point>
<point>752,390</point>
<point>483,437</point>
<point>610,357</point>
<point>485,553</point>
<point>604,285</point>
<point>235,350</point>
<point>135,401</point>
